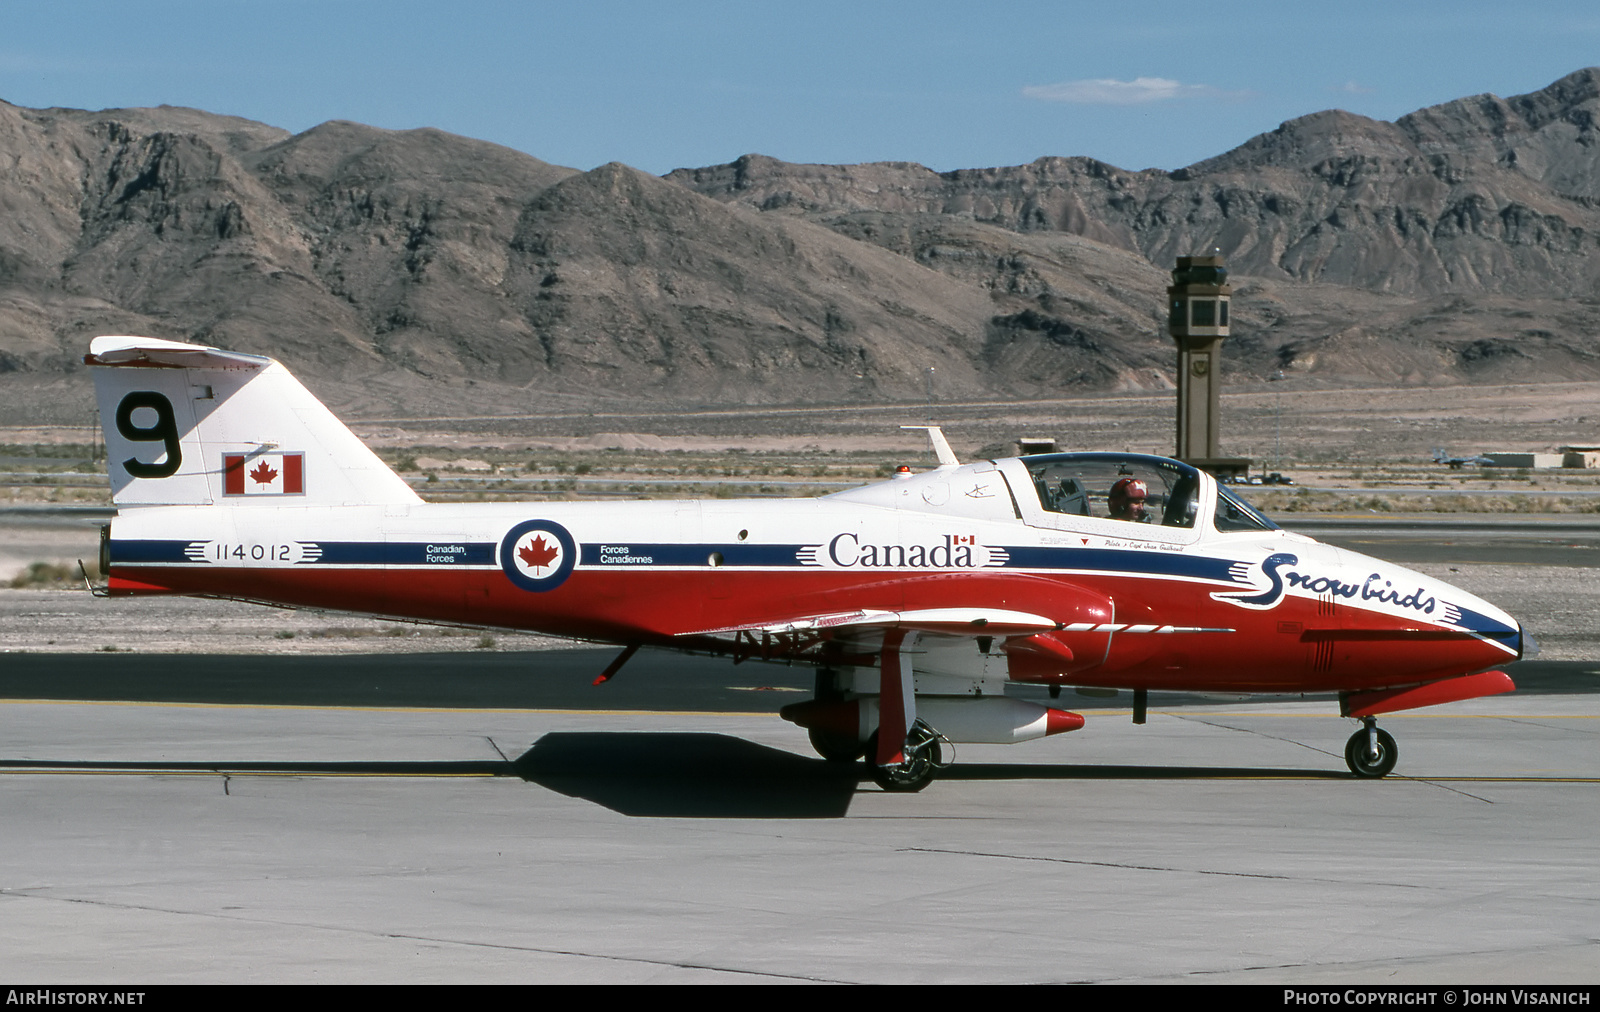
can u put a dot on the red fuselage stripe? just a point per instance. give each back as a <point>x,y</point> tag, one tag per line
<point>1297,646</point>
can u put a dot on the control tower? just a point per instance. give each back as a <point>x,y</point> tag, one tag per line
<point>1197,319</point>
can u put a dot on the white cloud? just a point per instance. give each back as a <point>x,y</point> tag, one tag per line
<point>1106,91</point>
<point>1352,88</point>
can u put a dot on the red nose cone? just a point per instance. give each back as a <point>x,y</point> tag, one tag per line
<point>1057,721</point>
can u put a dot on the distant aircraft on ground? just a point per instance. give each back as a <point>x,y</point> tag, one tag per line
<point>1441,456</point>
<point>916,599</point>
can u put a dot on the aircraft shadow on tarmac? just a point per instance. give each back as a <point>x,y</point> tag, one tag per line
<point>356,768</point>
<point>680,775</point>
<point>689,775</point>
<point>696,775</point>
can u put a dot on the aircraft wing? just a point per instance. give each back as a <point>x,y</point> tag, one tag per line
<point>1022,614</point>
<point>937,621</point>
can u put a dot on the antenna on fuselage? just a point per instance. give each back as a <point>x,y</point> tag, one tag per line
<point>941,446</point>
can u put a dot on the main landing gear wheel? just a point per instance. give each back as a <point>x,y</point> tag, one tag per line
<point>923,757</point>
<point>836,748</point>
<point>1371,752</point>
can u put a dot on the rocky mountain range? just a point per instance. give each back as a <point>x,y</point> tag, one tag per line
<point>405,273</point>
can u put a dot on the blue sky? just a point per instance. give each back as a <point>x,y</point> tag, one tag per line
<point>659,85</point>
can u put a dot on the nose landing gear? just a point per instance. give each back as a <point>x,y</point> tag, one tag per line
<point>1371,752</point>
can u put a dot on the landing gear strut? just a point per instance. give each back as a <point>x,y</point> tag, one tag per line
<point>1370,752</point>
<point>923,757</point>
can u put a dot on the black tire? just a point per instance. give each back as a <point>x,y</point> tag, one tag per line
<point>1363,764</point>
<point>910,776</point>
<point>836,748</point>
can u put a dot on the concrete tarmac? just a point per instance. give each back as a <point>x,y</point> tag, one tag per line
<point>1505,538</point>
<point>158,843</point>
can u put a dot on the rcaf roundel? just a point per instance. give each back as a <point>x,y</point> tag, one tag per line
<point>538,555</point>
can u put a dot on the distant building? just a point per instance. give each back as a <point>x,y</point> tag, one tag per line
<point>1530,460</point>
<point>1580,456</point>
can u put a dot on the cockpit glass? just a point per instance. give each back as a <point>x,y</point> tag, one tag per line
<point>1234,514</point>
<point>1130,488</point>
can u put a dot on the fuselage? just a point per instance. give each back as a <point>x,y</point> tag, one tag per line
<point>1206,596</point>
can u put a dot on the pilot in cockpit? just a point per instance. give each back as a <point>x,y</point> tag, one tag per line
<point>1127,500</point>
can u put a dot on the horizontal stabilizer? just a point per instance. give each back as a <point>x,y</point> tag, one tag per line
<point>152,352</point>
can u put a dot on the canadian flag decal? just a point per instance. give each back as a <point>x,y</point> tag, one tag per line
<point>263,474</point>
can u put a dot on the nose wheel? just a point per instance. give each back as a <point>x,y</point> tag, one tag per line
<point>1371,752</point>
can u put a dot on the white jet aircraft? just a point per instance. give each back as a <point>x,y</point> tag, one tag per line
<point>917,599</point>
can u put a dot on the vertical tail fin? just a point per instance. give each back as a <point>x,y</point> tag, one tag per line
<point>190,425</point>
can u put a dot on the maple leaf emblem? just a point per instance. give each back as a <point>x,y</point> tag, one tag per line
<point>538,555</point>
<point>263,474</point>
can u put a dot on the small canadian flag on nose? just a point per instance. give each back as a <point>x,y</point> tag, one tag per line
<point>264,474</point>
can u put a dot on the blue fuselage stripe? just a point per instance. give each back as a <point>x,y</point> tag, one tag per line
<point>126,552</point>
<point>1114,560</point>
<point>678,556</point>
<point>130,553</point>
<point>400,553</point>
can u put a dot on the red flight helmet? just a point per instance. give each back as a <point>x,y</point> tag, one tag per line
<point>1127,496</point>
